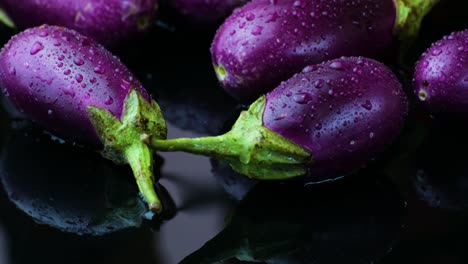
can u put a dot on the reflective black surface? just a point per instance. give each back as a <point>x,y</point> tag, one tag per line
<point>65,204</point>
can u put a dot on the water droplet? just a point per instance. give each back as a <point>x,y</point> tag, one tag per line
<point>319,83</point>
<point>436,52</point>
<point>301,98</point>
<point>93,80</point>
<point>257,31</point>
<point>336,65</point>
<point>250,16</point>
<point>109,100</point>
<point>67,72</point>
<point>79,78</point>
<point>43,33</point>
<point>367,105</point>
<point>69,91</point>
<point>99,70</point>
<point>36,47</point>
<point>12,71</point>
<point>309,69</point>
<point>442,76</point>
<point>78,61</point>
<point>280,117</point>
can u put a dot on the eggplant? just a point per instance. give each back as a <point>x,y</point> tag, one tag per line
<point>325,122</point>
<point>75,89</point>
<point>441,76</point>
<point>111,22</point>
<point>265,42</point>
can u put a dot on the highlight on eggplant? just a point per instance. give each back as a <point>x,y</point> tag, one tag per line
<point>441,76</point>
<point>325,122</point>
<point>265,42</point>
<point>110,22</point>
<point>76,89</point>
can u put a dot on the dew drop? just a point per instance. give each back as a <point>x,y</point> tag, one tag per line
<point>367,105</point>
<point>336,65</point>
<point>109,100</point>
<point>436,52</point>
<point>69,91</point>
<point>309,69</point>
<point>79,78</point>
<point>78,61</point>
<point>99,70</point>
<point>257,31</point>
<point>301,98</point>
<point>36,47</point>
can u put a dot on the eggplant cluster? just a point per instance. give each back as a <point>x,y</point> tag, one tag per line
<point>323,101</point>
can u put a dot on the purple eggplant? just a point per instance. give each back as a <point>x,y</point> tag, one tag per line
<point>205,12</point>
<point>325,122</point>
<point>110,22</point>
<point>441,76</point>
<point>265,42</point>
<point>74,88</point>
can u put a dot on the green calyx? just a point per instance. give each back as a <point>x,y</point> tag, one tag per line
<point>250,148</point>
<point>410,14</point>
<point>125,140</point>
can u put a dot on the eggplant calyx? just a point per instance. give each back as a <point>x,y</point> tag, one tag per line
<point>124,142</point>
<point>250,148</point>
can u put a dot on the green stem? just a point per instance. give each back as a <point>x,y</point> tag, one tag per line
<point>209,146</point>
<point>410,14</point>
<point>140,158</point>
<point>250,148</point>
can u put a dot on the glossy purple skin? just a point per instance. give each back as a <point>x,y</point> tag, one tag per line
<point>110,22</point>
<point>206,12</point>
<point>441,76</point>
<point>266,42</point>
<point>343,111</point>
<point>52,74</point>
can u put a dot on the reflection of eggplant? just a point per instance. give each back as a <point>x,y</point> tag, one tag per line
<point>345,222</point>
<point>68,188</point>
<point>233,183</point>
<point>442,178</point>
